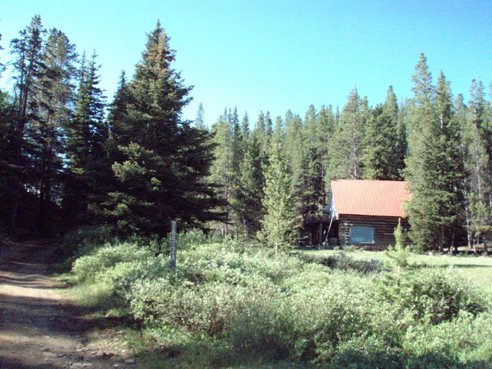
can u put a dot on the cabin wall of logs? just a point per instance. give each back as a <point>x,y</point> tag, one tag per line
<point>384,228</point>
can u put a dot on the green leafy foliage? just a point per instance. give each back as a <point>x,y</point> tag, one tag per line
<point>232,302</point>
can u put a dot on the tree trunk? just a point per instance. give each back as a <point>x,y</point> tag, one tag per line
<point>441,239</point>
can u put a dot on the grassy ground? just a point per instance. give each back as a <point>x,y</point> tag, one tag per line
<point>477,269</point>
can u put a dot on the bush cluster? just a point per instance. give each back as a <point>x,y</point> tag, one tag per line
<point>243,303</point>
<point>345,262</point>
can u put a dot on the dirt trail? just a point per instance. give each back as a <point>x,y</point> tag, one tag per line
<point>39,329</point>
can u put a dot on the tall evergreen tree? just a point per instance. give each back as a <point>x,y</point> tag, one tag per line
<point>278,131</point>
<point>6,173</point>
<point>295,153</point>
<point>223,170</point>
<point>381,144</point>
<point>263,130</point>
<point>161,160</point>
<point>431,168</point>
<point>280,215</point>
<point>451,166</point>
<point>268,124</point>
<point>422,132</point>
<point>312,187</point>
<point>53,112</point>
<point>27,66</point>
<point>250,192</point>
<point>326,129</point>
<point>236,141</point>
<point>119,130</point>
<point>5,129</point>
<point>87,133</point>
<point>347,145</point>
<point>245,133</point>
<point>477,163</point>
<point>401,138</point>
<point>200,118</point>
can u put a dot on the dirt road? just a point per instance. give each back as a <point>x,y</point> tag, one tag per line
<point>39,328</point>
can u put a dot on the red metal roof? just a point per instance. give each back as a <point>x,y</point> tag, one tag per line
<point>368,197</point>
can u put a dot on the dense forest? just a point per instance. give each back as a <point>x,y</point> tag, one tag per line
<point>70,158</point>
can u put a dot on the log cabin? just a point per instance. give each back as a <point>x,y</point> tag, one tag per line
<point>366,212</point>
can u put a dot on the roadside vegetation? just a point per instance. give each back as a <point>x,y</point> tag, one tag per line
<point>233,304</point>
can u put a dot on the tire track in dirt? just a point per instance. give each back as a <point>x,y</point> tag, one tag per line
<point>39,328</point>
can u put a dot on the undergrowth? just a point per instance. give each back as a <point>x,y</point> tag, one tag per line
<point>230,305</point>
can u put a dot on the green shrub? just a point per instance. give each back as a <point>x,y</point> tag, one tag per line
<point>262,326</point>
<point>432,296</point>
<point>256,321</point>
<point>345,262</point>
<point>363,352</point>
<point>325,315</point>
<point>220,262</point>
<point>149,299</point>
<point>231,304</point>
<point>464,342</point>
<point>122,276</point>
<point>87,267</point>
<point>309,276</point>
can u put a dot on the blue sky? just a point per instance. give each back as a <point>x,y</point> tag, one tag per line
<point>276,55</point>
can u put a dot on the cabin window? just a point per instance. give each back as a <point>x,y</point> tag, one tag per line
<point>362,234</point>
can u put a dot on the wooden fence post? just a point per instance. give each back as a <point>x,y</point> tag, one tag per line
<point>173,243</point>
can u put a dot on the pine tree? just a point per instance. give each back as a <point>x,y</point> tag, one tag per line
<point>87,134</point>
<point>6,173</point>
<point>295,154</point>
<point>432,164</point>
<point>451,166</point>
<point>263,131</point>
<point>245,133</point>
<point>422,132</point>
<point>477,164</point>
<point>326,127</point>
<point>401,139</point>
<point>119,130</point>
<point>27,65</point>
<point>250,192</point>
<point>200,118</point>
<point>280,216</point>
<point>381,146</point>
<point>5,130</point>
<point>223,170</point>
<point>278,135</point>
<point>237,153</point>
<point>53,112</point>
<point>160,160</point>
<point>311,189</point>
<point>347,145</point>
<point>268,124</point>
